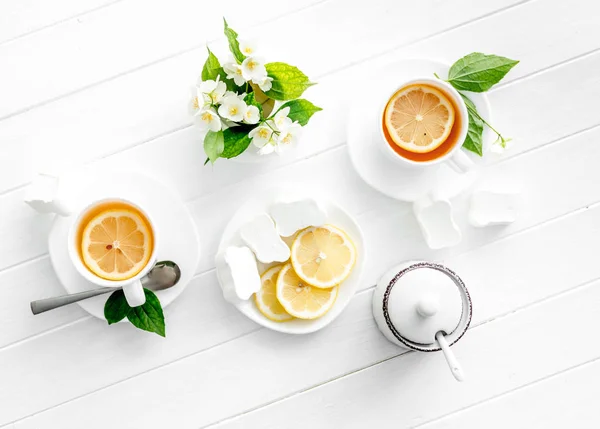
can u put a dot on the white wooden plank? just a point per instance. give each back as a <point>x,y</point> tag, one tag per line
<point>498,356</point>
<point>529,97</point>
<point>264,366</point>
<point>133,40</point>
<point>98,355</point>
<point>18,18</point>
<point>387,224</point>
<point>178,157</point>
<point>20,286</point>
<point>61,130</point>
<point>564,400</point>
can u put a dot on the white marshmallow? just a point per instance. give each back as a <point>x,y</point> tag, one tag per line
<point>261,236</point>
<point>493,208</point>
<point>238,273</point>
<point>292,216</point>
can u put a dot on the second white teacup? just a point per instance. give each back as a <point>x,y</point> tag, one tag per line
<point>450,151</point>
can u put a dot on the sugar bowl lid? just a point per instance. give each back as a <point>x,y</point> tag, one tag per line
<point>424,299</point>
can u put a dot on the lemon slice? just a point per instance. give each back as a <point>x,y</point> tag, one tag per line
<point>300,299</point>
<point>323,256</point>
<point>419,118</point>
<point>266,297</point>
<point>116,244</point>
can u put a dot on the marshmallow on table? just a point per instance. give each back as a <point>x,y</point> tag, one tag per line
<point>41,195</point>
<point>436,223</point>
<point>292,216</point>
<point>261,236</point>
<point>238,273</point>
<point>493,208</point>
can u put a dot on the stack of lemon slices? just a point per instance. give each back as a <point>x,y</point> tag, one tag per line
<point>306,286</point>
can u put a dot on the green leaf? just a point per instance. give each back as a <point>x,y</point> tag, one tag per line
<point>234,45</point>
<point>212,68</point>
<point>288,81</point>
<point>478,72</point>
<point>300,110</point>
<point>149,316</point>
<point>474,139</point>
<point>250,100</point>
<point>116,307</point>
<point>236,141</point>
<point>214,145</point>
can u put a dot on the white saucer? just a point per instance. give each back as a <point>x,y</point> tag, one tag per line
<point>364,138</point>
<point>180,239</point>
<point>335,216</point>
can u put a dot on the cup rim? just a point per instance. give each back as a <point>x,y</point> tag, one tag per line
<point>80,266</point>
<point>465,317</point>
<point>464,123</point>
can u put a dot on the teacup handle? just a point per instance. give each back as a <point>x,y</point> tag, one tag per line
<point>460,162</point>
<point>134,293</point>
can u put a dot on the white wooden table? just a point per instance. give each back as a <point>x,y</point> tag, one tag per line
<point>106,82</point>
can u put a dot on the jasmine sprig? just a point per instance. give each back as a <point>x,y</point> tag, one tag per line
<point>478,72</point>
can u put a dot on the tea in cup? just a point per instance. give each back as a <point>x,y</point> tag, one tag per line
<point>113,243</point>
<point>425,122</point>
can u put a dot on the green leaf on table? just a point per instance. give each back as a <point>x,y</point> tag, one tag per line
<point>478,72</point>
<point>149,316</point>
<point>288,81</point>
<point>116,307</point>
<point>236,141</point>
<point>250,100</point>
<point>234,45</point>
<point>300,110</point>
<point>213,145</point>
<point>474,139</point>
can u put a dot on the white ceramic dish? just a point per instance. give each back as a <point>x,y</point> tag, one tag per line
<point>336,216</point>
<point>364,137</point>
<point>180,239</point>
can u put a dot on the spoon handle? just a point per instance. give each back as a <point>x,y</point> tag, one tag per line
<point>42,305</point>
<point>455,367</point>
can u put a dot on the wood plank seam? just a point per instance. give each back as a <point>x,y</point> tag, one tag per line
<point>439,33</point>
<point>148,64</point>
<point>136,375</point>
<point>545,69</point>
<point>511,391</point>
<point>60,21</point>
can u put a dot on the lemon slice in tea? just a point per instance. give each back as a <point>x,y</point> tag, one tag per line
<point>116,244</point>
<point>419,118</point>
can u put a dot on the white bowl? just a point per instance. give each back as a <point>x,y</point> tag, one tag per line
<point>337,216</point>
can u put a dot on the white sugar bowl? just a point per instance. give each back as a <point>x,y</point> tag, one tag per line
<point>425,307</point>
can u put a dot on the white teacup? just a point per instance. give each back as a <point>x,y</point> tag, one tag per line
<point>132,287</point>
<point>455,158</point>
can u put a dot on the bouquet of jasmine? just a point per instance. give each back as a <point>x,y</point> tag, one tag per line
<point>247,101</point>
